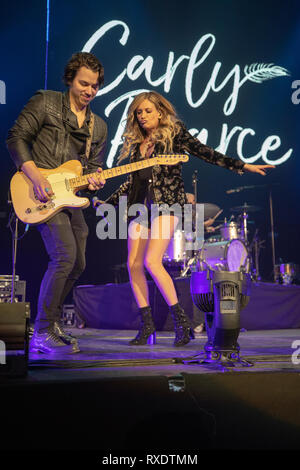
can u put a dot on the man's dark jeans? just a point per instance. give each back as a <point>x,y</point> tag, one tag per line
<point>64,237</point>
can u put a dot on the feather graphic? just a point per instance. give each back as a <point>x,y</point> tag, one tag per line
<point>260,72</point>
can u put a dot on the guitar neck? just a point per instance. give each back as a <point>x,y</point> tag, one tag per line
<point>81,182</point>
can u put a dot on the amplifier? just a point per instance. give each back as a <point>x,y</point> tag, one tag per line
<point>14,339</point>
<point>8,277</point>
<point>6,287</point>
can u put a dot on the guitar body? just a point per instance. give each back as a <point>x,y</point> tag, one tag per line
<point>30,210</point>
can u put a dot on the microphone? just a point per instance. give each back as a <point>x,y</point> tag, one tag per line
<point>240,188</point>
<point>96,202</point>
<point>230,191</point>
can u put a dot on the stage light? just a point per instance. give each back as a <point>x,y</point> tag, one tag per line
<point>221,295</point>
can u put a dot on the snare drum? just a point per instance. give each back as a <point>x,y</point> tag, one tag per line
<point>229,231</point>
<point>176,248</point>
<point>225,256</point>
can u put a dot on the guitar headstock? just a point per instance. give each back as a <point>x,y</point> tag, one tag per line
<point>171,159</point>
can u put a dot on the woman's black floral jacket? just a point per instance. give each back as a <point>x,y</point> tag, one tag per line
<point>166,182</point>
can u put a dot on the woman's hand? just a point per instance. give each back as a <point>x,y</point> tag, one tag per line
<point>260,169</point>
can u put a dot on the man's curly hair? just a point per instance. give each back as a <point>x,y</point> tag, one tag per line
<point>82,59</point>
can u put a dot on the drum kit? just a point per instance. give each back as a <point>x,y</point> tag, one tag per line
<point>227,249</point>
<point>227,246</point>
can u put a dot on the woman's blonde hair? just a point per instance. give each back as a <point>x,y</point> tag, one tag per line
<point>164,134</point>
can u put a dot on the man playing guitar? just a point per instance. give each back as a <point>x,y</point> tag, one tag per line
<point>52,129</point>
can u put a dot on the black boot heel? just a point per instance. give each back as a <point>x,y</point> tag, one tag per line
<point>183,330</point>
<point>192,333</point>
<point>152,338</point>
<point>146,333</point>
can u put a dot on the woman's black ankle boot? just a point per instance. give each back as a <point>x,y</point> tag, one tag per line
<point>146,333</point>
<point>183,329</point>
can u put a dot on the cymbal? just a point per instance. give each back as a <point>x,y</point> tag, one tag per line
<point>245,208</point>
<point>223,223</point>
<point>210,211</point>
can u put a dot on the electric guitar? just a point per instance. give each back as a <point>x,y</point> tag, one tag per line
<point>66,180</point>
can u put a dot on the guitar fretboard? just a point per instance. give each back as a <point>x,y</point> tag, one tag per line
<point>81,182</point>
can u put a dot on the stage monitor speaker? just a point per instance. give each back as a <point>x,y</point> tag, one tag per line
<point>14,338</point>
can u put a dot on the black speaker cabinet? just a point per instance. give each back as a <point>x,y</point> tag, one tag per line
<point>14,338</point>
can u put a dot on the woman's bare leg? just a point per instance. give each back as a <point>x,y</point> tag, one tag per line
<point>136,252</point>
<point>135,263</point>
<point>153,261</point>
<point>162,230</point>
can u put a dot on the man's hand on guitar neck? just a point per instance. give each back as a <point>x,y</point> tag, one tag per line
<point>97,181</point>
<point>42,187</point>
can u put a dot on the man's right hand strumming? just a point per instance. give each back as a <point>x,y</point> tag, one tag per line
<point>42,187</point>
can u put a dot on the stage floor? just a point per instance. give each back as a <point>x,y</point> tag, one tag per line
<point>107,354</point>
<point>114,399</point>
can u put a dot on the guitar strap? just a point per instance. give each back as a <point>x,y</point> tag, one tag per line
<point>84,159</point>
<point>89,140</point>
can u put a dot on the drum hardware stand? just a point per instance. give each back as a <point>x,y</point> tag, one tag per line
<point>257,245</point>
<point>256,254</point>
<point>245,228</point>
<point>195,182</point>
<point>187,266</point>
<point>192,260</point>
<point>221,295</point>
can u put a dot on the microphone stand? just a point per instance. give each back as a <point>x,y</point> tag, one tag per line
<point>272,233</point>
<point>187,265</point>
<point>195,181</point>
<point>14,250</point>
<point>15,239</point>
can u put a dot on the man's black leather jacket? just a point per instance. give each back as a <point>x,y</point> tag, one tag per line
<point>47,132</point>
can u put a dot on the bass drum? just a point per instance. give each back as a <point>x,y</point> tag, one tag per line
<point>225,256</point>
